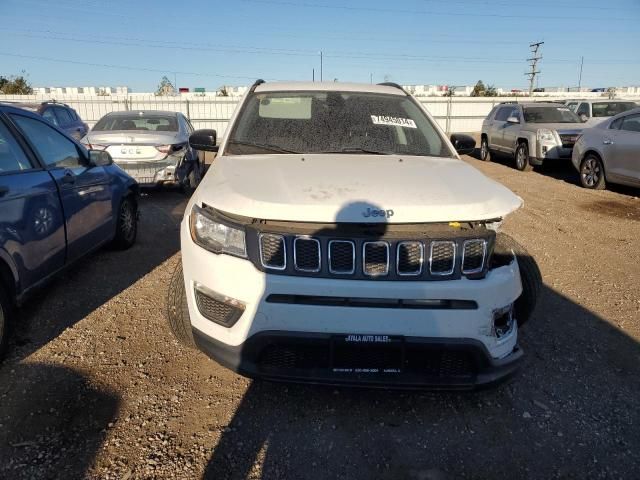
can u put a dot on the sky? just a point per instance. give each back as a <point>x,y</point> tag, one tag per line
<point>199,43</point>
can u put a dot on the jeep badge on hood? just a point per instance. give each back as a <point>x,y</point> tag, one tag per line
<point>370,212</point>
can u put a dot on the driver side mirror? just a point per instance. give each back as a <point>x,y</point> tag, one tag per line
<point>204,139</point>
<point>99,158</point>
<point>513,120</point>
<point>464,144</point>
<point>583,117</point>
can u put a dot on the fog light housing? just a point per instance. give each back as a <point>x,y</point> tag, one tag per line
<point>503,321</point>
<point>220,309</point>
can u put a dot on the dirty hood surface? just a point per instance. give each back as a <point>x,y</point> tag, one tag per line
<point>353,188</point>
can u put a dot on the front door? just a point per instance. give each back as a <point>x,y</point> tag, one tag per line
<point>624,159</point>
<point>84,190</point>
<point>31,217</point>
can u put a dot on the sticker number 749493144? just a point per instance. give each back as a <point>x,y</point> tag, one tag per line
<point>396,121</point>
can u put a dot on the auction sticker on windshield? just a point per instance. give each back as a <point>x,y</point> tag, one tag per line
<point>395,121</point>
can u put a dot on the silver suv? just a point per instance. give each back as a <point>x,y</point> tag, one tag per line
<point>530,132</point>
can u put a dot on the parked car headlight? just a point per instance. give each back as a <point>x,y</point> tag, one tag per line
<point>546,135</point>
<point>215,236</point>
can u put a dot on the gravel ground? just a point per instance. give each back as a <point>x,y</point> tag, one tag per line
<point>94,385</point>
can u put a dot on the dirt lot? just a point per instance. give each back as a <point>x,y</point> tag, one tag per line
<point>95,386</point>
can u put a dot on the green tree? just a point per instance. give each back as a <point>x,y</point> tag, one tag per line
<point>491,91</point>
<point>479,90</point>
<point>15,85</point>
<point>223,91</point>
<point>451,91</point>
<point>165,87</point>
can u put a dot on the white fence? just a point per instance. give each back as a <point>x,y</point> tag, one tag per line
<point>454,114</point>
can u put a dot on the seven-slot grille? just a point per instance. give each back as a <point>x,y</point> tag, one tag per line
<point>372,259</point>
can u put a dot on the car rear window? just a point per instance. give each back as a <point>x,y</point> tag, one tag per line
<point>154,123</point>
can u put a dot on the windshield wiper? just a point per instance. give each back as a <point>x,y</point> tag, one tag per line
<point>265,146</point>
<point>358,150</point>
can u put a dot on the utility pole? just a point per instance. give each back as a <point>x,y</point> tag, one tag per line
<point>313,74</point>
<point>371,78</point>
<point>580,76</point>
<point>534,62</point>
<point>320,65</point>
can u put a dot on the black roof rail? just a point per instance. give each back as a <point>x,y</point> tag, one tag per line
<point>255,84</point>
<point>394,85</point>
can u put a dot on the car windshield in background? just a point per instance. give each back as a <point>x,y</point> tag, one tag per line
<point>550,115</point>
<point>610,109</point>
<point>334,122</point>
<point>154,123</point>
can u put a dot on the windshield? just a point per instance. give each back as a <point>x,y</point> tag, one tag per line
<point>154,123</point>
<point>550,114</point>
<point>609,109</point>
<point>334,122</point>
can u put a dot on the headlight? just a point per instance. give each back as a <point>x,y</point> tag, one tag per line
<point>215,236</point>
<point>546,135</point>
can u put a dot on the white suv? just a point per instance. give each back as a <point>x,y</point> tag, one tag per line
<point>338,238</point>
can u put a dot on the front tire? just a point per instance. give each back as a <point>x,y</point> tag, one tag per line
<point>177,309</point>
<point>530,276</point>
<point>522,157</point>
<point>127,224</point>
<point>592,173</point>
<point>485,153</point>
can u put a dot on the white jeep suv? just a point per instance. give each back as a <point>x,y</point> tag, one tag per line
<point>338,238</point>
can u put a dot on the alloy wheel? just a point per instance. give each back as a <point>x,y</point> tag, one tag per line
<point>591,172</point>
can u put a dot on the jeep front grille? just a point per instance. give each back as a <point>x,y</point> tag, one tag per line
<point>370,256</point>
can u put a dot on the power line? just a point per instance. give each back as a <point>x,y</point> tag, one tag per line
<point>124,67</point>
<point>160,44</point>
<point>424,12</point>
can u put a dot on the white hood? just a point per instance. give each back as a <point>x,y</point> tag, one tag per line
<point>349,188</point>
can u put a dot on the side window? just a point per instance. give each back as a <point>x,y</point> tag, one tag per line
<point>615,125</point>
<point>55,149</point>
<point>49,116</point>
<point>12,158</point>
<point>63,116</point>
<point>631,123</point>
<point>583,109</point>
<point>503,114</point>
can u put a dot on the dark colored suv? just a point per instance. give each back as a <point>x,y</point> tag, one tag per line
<point>59,114</point>
<point>58,202</point>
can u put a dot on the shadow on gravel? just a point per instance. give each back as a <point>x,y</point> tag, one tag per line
<point>571,412</point>
<point>99,277</point>
<point>54,423</point>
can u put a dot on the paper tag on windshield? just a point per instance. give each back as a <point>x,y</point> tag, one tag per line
<point>396,121</point>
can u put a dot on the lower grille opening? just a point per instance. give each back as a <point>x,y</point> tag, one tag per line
<point>393,358</point>
<point>363,302</point>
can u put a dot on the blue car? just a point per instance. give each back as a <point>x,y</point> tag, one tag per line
<point>59,114</point>
<point>58,202</point>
